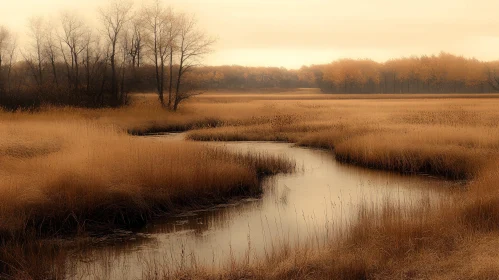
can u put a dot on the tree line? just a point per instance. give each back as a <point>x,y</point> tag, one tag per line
<point>67,62</point>
<point>232,77</point>
<point>442,73</point>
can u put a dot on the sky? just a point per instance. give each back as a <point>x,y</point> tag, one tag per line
<point>292,33</point>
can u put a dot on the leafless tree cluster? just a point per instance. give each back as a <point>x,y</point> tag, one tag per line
<point>173,40</point>
<point>68,62</point>
<point>7,57</point>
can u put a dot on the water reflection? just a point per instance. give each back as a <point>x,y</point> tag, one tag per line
<point>307,205</point>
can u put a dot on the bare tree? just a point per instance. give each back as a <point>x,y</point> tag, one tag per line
<point>4,43</point>
<point>192,45</point>
<point>87,42</point>
<point>114,17</point>
<point>173,32</point>
<point>11,57</point>
<point>7,53</point>
<point>4,37</point>
<point>11,54</point>
<point>170,71</point>
<point>137,41</point>
<point>35,61</point>
<point>50,51</point>
<point>128,56</point>
<point>161,27</point>
<point>72,45</point>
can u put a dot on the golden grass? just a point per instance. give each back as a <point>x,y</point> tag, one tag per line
<point>455,138</point>
<point>444,135</point>
<point>454,239</point>
<point>75,175</point>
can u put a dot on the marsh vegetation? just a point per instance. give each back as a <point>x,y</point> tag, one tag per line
<point>77,171</point>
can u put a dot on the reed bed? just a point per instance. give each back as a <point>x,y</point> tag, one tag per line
<point>58,176</point>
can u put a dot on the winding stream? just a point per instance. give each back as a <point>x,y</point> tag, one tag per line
<point>311,205</point>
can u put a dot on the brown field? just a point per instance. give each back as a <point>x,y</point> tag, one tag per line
<point>59,169</point>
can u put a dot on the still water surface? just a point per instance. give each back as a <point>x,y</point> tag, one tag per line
<point>310,205</point>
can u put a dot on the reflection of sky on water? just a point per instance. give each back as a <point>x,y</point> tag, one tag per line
<point>306,205</point>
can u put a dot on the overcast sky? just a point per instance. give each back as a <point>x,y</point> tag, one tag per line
<point>292,33</point>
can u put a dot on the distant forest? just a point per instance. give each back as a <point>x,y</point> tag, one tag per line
<point>443,73</point>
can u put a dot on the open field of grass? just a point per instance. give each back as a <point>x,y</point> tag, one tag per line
<point>64,167</point>
<point>448,137</point>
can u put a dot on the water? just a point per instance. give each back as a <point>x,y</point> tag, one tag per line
<point>310,205</point>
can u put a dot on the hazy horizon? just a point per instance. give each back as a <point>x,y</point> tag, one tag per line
<point>293,33</point>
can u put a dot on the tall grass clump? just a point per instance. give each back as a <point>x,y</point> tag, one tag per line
<point>58,177</point>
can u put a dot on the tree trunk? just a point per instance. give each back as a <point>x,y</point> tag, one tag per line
<point>162,81</point>
<point>114,90</point>
<point>77,73</point>
<point>9,71</point>
<point>103,84</point>
<point>156,68</point>
<point>54,71</point>
<point>138,55</point>
<point>1,83</point>
<point>177,91</point>
<point>123,97</point>
<point>40,65</point>
<point>170,90</point>
<point>88,72</point>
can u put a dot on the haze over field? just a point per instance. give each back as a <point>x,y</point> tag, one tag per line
<point>292,33</point>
